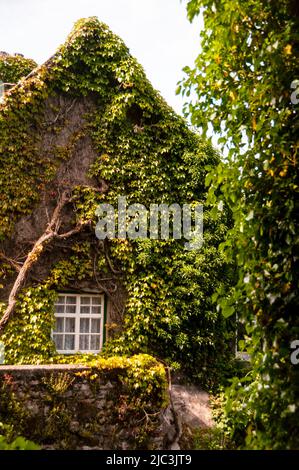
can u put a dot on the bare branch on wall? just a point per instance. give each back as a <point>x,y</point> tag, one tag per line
<point>51,233</point>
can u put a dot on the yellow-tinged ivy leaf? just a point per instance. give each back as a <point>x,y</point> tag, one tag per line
<point>254,123</point>
<point>283,172</point>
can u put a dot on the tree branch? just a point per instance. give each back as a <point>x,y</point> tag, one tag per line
<point>105,289</point>
<point>33,256</point>
<point>108,260</point>
<point>12,262</point>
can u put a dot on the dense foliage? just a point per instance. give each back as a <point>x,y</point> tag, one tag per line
<point>139,394</point>
<point>245,81</point>
<point>14,67</point>
<point>18,444</point>
<point>145,152</point>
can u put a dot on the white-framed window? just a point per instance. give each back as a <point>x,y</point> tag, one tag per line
<point>79,323</point>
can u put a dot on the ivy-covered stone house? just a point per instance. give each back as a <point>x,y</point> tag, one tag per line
<point>81,129</point>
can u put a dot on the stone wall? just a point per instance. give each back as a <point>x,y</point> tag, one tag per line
<point>79,407</point>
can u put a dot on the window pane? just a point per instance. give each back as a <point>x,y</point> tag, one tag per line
<point>96,310</point>
<point>84,325</point>
<point>58,340</point>
<point>96,301</point>
<point>60,299</point>
<point>59,308</point>
<point>69,342</point>
<point>84,342</point>
<point>85,310</point>
<point>95,325</point>
<point>59,325</point>
<point>65,332</point>
<point>94,342</point>
<point>69,325</point>
<point>70,309</point>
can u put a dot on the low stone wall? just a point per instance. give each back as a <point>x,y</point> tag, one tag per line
<point>79,407</point>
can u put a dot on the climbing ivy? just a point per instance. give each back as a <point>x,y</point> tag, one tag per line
<point>139,394</point>
<point>27,337</point>
<point>13,68</point>
<point>144,152</point>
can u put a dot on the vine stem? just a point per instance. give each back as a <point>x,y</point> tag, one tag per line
<point>51,233</point>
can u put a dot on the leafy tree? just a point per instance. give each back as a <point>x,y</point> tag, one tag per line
<point>245,80</point>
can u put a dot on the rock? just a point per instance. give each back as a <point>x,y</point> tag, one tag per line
<point>192,406</point>
<point>33,408</point>
<point>74,426</point>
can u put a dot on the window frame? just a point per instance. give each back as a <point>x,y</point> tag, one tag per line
<point>78,315</point>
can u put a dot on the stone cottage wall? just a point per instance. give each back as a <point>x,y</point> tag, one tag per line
<point>76,407</point>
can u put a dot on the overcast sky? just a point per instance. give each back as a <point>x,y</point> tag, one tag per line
<point>156,31</point>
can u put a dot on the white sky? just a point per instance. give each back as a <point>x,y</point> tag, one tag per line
<point>156,31</point>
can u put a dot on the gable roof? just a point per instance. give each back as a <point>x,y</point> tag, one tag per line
<point>143,148</point>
